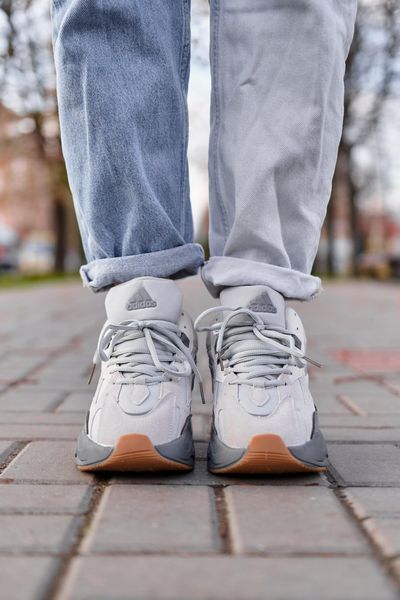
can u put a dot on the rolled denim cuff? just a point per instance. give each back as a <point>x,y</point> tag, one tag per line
<point>224,271</point>
<point>178,262</point>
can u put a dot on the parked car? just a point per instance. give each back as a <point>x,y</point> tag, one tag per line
<point>9,242</point>
<point>36,253</point>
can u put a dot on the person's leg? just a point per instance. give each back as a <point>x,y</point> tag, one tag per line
<point>122,73</point>
<point>277,105</point>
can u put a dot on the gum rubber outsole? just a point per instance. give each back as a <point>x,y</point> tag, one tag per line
<point>267,454</point>
<point>134,452</point>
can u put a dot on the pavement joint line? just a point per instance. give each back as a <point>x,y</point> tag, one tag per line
<point>361,442</point>
<point>24,417</point>
<point>98,488</point>
<point>375,539</point>
<point>6,481</point>
<point>361,376</point>
<point>82,548</point>
<point>10,383</point>
<point>351,405</point>
<point>391,388</point>
<point>248,482</point>
<point>235,529</point>
<point>188,554</point>
<point>223,518</point>
<point>27,422</point>
<point>334,477</point>
<point>263,481</point>
<point>359,428</point>
<point>367,484</point>
<point>16,449</point>
<point>57,402</point>
<point>379,539</point>
<point>39,439</point>
<point>33,513</point>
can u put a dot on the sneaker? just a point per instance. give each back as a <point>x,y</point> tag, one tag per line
<point>264,417</point>
<point>140,418</point>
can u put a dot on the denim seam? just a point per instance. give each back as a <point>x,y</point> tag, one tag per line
<point>216,134</point>
<point>319,218</point>
<point>184,64</point>
<point>85,230</point>
<point>57,5</point>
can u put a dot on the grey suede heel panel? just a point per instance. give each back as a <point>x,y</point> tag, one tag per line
<point>220,455</point>
<point>182,449</point>
<point>313,452</point>
<point>90,453</point>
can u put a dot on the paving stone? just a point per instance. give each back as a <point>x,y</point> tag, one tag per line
<point>374,502</point>
<point>331,371</point>
<point>61,385</point>
<point>24,400</point>
<point>357,434</point>
<point>202,409</point>
<point>61,377</point>
<point>76,401</point>
<point>201,429</point>
<point>44,499</point>
<point>366,464</point>
<point>13,368</point>
<point>370,397</point>
<point>327,402</point>
<point>222,577</point>
<point>42,418</point>
<point>154,519</point>
<point>286,519</point>
<point>37,533</point>
<point>26,577</point>
<point>21,431</point>
<point>44,461</point>
<point>351,420</point>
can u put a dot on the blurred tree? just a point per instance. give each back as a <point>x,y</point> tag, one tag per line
<point>27,86</point>
<point>371,73</point>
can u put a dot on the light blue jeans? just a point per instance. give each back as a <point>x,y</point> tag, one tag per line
<point>276,118</point>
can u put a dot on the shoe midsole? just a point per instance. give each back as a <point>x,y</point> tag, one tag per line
<point>180,450</point>
<point>313,453</point>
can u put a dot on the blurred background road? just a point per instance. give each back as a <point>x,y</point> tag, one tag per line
<point>69,535</point>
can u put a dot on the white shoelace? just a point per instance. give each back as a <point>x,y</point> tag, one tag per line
<point>145,352</point>
<point>255,352</point>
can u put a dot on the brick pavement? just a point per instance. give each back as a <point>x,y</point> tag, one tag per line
<point>69,535</point>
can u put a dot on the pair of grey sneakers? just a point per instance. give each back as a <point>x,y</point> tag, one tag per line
<point>264,418</point>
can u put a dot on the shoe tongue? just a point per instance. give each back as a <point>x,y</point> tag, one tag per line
<point>144,298</point>
<point>261,299</point>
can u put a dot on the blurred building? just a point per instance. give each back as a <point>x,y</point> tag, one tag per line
<point>33,203</point>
